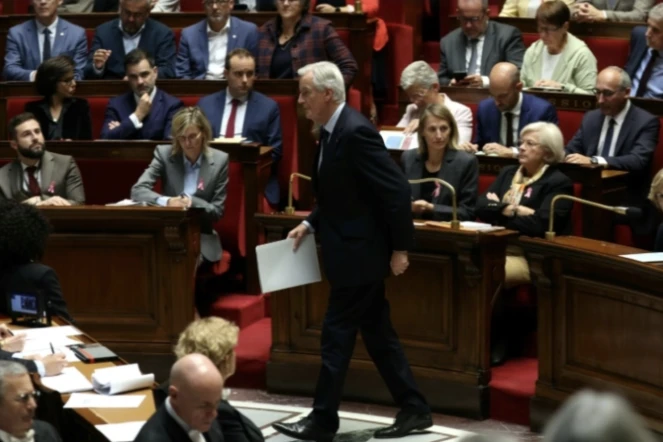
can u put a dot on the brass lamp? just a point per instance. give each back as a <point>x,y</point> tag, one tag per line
<point>455,224</point>
<point>290,210</point>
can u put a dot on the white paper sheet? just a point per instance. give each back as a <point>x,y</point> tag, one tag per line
<point>124,432</point>
<point>281,268</point>
<point>645,257</point>
<point>120,379</point>
<point>69,381</point>
<point>394,139</point>
<point>70,355</point>
<point>48,332</point>
<point>37,345</point>
<point>89,400</point>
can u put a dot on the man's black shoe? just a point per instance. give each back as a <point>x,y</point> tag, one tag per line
<point>405,425</point>
<point>304,429</point>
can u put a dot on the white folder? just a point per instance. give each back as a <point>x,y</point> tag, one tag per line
<point>280,268</point>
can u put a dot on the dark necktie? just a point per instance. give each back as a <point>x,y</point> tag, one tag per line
<point>646,75</point>
<point>47,45</point>
<point>324,138</point>
<point>605,152</point>
<point>508,116</point>
<point>230,128</point>
<point>612,4</point>
<point>472,67</point>
<point>33,184</point>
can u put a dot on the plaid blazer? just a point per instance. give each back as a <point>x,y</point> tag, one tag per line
<point>315,40</point>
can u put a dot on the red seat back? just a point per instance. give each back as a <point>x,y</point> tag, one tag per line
<point>289,161</point>
<point>569,123</point>
<point>231,227</point>
<point>178,34</point>
<point>190,100</point>
<point>191,6</point>
<point>97,111</point>
<point>485,181</point>
<point>89,33</point>
<point>608,51</point>
<point>528,39</point>
<point>108,180</point>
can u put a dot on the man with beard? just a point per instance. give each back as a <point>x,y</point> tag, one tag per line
<point>144,113</point>
<point>18,403</point>
<point>38,177</point>
<point>204,45</point>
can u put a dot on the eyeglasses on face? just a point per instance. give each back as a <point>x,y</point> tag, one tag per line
<point>607,93</point>
<point>216,2</point>
<point>547,29</point>
<point>188,139</point>
<point>470,20</point>
<point>25,397</point>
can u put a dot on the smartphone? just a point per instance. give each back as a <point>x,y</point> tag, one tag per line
<point>459,76</point>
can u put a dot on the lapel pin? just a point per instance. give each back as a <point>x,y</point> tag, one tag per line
<point>51,187</point>
<point>200,185</point>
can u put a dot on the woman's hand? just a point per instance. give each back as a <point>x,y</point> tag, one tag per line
<point>549,83</point>
<point>525,211</point>
<point>412,127</point>
<point>492,197</point>
<point>421,206</point>
<point>324,7</point>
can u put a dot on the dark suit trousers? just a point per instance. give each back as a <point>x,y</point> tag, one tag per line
<point>365,309</point>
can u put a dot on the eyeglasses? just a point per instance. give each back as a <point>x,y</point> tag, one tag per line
<point>188,139</point>
<point>471,20</point>
<point>69,80</point>
<point>547,29</point>
<point>607,93</point>
<point>25,397</point>
<point>216,2</point>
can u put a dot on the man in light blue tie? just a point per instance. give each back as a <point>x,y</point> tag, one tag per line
<point>46,36</point>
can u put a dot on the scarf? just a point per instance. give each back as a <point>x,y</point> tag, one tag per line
<point>519,183</point>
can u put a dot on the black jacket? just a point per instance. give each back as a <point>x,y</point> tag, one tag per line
<point>161,427</point>
<point>76,120</point>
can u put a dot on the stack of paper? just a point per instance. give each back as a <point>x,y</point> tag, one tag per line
<point>280,268</point>
<point>645,257</point>
<point>48,332</point>
<point>119,379</point>
<point>69,381</point>
<point>90,400</point>
<point>124,432</point>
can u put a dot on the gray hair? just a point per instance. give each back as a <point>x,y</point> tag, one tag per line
<point>484,3</point>
<point>9,368</point>
<point>326,75</point>
<point>550,137</point>
<point>588,416</point>
<point>419,73</point>
<point>656,13</point>
<point>624,78</point>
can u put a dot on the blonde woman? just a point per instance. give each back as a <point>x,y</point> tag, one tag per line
<point>438,157</point>
<point>192,175</point>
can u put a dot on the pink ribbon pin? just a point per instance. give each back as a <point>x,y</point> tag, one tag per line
<point>436,192</point>
<point>51,187</point>
<point>528,193</point>
<point>200,185</point>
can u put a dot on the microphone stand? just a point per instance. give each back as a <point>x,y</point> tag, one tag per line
<point>290,210</point>
<point>455,224</point>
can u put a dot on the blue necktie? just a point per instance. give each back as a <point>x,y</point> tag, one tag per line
<point>605,152</point>
<point>47,45</point>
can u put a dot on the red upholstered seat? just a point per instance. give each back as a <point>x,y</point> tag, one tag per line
<point>190,100</point>
<point>608,51</point>
<point>484,182</point>
<point>569,123</point>
<point>16,105</point>
<point>108,180</point>
<point>528,39</point>
<point>97,111</point>
<point>178,34</point>
<point>231,227</point>
<point>400,53</point>
<point>89,33</point>
<point>20,6</point>
<point>289,160</point>
<point>191,5</point>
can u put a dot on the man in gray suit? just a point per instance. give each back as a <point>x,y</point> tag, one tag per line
<point>468,53</point>
<point>589,11</point>
<point>38,177</point>
<point>18,403</point>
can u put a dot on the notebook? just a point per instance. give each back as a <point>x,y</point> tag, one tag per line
<point>92,353</point>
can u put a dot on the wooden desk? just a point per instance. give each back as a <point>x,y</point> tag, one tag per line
<point>440,308</point>
<point>599,319</point>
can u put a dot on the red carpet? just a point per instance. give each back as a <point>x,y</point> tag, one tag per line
<point>511,388</point>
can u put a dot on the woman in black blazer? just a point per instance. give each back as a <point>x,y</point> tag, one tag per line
<point>60,115</point>
<point>437,157</point>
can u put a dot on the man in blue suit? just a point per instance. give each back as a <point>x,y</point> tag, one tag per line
<point>34,41</point>
<point>146,112</point>
<point>645,60</point>
<point>501,118</point>
<point>134,29</point>
<point>239,111</point>
<point>204,46</point>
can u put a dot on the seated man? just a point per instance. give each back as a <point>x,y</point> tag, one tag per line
<point>618,134</point>
<point>165,5</point>
<point>645,60</point>
<point>144,113</point>
<point>19,403</point>
<point>37,176</point>
<point>239,111</point>
<point>476,46</point>
<point>189,412</point>
<point>204,46</point>
<point>500,118</point>
<point>589,11</point>
<point>34,41</point>
<point>134,29</point>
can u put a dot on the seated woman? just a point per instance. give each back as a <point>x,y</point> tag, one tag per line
<point>23,234</point>
<point>215,338</point>
<point>191,174</point>
<point>60,115</point>
<point>558,59</point>
<point>647,230</point>
<point>524,8</point>
<point>420,83</point>
<point>438,157</point>
<point>296,38</point>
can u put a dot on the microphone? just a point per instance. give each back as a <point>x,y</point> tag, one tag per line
<point>628,212</point>
<point>455,224</point>
<point>290,210</point>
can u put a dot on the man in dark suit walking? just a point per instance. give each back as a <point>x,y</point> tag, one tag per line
<point>364,221</point>
<point>189,412</point>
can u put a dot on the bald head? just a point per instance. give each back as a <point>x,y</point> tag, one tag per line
<point>505,85</point>
<point>613,87</point>
<point>506,74</point>
<point>483,4</point>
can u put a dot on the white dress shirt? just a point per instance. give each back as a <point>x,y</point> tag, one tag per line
<point>461,113</point>
<point>194,435</point>
<point>53,27</point>
<point>134,119</point>
<point>6,437</point>
<point>619,123</point>
<point>239,116</point>
<point>218,48</point>
<point>26,176</point>
<point>516,123</point>
<point>468,57</point>
<point>130,42</point>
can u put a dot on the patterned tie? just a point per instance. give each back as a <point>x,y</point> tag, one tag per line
<point>47,45</point>
<point>472,67</point>
<point>646,74</point>
<point>605,152</point>
<point>230,128</point>
<point>33,184</point>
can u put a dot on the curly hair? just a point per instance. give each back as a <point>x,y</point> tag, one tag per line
<point>213,337</point>
<point>52,71</point>
<point>23,234</point>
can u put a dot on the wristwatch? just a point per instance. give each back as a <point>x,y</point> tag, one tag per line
<point>338,9</point>
<point>594,160</point>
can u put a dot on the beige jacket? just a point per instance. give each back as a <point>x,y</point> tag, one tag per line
<point>520,8</point>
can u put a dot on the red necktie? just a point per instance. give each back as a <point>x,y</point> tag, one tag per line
<point>230,128</point>
<point>33,185</point>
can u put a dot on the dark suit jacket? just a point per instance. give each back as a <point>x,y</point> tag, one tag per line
<point>59,176</point>
<point>262,124</point>
<point>634,149</point>
<point>157,40</point>
<point>315,40</point>
<point>28,364</point>
<point>156,126</point>
<point>637,54</point>
<point>76,121</point>
<point>45,432</point>
<point>363,209</point>
<point>193,51</point>
<point>34,276</point>
<point>489,117</point>
<point>502,43</point>
<point>552,183</point>
<point>460,169</point>
<point>161,427</point>
<point>234,425</point>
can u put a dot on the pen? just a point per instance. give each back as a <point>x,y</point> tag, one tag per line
<point>52,349</point>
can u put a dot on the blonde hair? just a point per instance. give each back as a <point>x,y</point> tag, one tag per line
<point>443,113</point>
<point>190,116</point>
<point>656,184</point>
<point>213,337</point>
<point>550,138</point>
